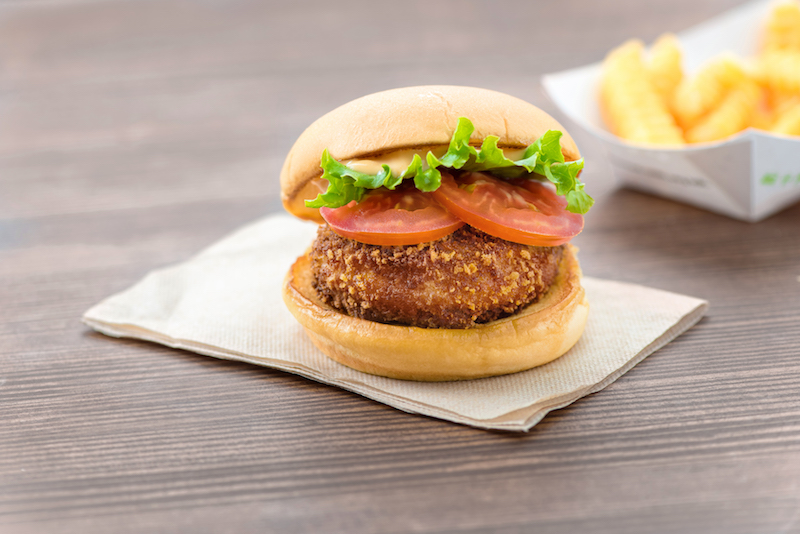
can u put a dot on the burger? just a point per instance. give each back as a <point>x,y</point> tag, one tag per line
<point>443,249</point>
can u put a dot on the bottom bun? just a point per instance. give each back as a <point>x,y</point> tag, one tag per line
<point>533,336</point>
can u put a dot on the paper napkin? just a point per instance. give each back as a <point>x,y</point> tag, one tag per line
<point>226,303</point>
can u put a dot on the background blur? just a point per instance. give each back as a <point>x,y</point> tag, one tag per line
<point>127,104</point>
<point>134,133</point>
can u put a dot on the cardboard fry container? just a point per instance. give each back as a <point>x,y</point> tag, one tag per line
<point>748,176</point>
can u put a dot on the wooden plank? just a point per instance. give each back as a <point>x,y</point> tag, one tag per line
<point>133,134</point>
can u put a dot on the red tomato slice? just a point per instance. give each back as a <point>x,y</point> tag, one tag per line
<point>522,210</point>
<point>399,217</point>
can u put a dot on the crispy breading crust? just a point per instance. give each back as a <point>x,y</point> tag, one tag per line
<point>461,280</point>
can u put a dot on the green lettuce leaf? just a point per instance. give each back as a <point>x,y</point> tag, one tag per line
<point>429,179</point>
<point>459,152</point>
<point>565,176</point>
<point>542,159</point>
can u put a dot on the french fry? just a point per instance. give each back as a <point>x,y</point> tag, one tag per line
<point>782,30</point>
<point>763,118</point>
<point>789,122</point>
<point>734,114</point>
<point>700,94</point>
<point>780,70</point>
<point>652,101</point>
<point>780,101</point>
<point>632,106</point>
<point>772,107</point>
<point>665,67</point>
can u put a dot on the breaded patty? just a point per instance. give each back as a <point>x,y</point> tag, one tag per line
<point>458,281</point>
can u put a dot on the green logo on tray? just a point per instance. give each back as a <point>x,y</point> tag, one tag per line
<point>773,178</point>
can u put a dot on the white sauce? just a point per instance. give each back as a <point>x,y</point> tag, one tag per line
<point>399,160</point>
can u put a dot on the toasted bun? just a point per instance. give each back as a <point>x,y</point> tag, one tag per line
<point>411,117</point>
<point>536,335</point>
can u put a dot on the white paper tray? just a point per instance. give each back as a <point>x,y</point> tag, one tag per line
<point>748,176</point>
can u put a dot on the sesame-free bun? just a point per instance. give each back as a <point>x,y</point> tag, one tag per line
<point>410,117</point>
<point>533,336</point>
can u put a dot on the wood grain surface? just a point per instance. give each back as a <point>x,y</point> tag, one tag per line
<point>135,133</point>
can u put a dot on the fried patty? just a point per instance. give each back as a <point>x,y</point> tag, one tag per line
<point>458,281</point>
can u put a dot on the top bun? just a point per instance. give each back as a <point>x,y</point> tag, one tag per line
<point>410,117</point>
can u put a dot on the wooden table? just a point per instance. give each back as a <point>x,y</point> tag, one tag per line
<point>133,134</point>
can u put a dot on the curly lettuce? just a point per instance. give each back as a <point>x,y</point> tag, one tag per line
<point>542,159</point>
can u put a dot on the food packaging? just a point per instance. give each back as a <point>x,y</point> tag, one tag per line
<point>748,176</point>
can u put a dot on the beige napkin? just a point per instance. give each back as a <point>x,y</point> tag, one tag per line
<point>226,302</point>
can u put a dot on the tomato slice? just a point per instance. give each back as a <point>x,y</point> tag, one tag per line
<point>523,210</point>
<point>401,217</point>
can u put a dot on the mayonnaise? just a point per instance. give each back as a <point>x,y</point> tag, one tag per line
<point>399,160</point>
